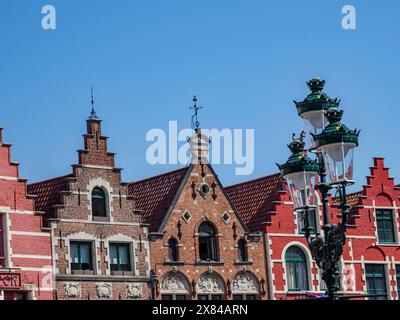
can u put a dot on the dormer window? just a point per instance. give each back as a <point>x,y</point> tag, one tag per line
<point>99,207</point>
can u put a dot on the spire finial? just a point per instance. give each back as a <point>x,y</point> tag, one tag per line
<point>93,114</point>
<point>196,108</point>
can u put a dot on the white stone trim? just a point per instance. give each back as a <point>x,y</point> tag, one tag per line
<point>84,237</point>
<point>5,215</point>
<point>39,269</point>
<point>31,256</point>
<point>10,178</point>
<point>120,238</point>
<point>22,212</point>
<point>115,223</point>
<point>96,167</point>
<point>146,244</point>
<point>28,233</point>
<point>106,186</point>
<point>54,243</point>
<point>302,236</point>
<point>270,266</point>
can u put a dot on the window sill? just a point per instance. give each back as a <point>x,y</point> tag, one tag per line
<point>174,263</point>
<point>387,244</point>
<point>213,263</point>
<point>122,273</point>
<point>100,278</point>
<point>248,262</point>
<point>82,272</point>
<point>297,292</point>
<point>103,219</point>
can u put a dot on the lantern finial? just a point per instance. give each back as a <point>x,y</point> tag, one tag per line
<point>297,144</point>
<point>316,84</point>
<point>334,115</point>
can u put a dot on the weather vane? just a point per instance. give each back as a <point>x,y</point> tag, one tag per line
<point>92,113</point>
<point>195,120</point>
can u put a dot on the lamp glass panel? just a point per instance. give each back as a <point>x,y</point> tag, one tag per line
<point>301,188</point>
<point>338,159</point>
<point>315,122</point>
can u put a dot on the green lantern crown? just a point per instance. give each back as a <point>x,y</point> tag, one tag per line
<point>316,100</point>
<point>336,131</point>
<point>298,161</point>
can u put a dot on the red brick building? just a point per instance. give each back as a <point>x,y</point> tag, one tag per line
<point>99,244</point>
<point>25,246</point>
<point>200,247</point>
<point>371,259</point>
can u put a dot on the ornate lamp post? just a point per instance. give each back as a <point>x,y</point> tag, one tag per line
<point>333,143</point>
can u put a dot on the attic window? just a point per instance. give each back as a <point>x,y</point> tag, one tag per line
<point>186,216</point>
<point>204,189</point>
<point>226,218</point>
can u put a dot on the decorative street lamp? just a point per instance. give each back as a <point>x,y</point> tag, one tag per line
<point>333,143</point>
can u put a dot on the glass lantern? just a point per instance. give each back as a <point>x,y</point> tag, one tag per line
<point>301,187</point>
<point>313,108</point>
<point>300,173</point>
<point>338,159</point>
<point>336,144</point>
<point>314,121</point>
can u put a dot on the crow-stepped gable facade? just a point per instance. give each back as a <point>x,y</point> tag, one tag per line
<point>100,246</point>
<point>371,257</point>
<point>200,247</point>
<point>25,246</point>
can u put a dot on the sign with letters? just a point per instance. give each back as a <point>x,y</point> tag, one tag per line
<point>10,280</point>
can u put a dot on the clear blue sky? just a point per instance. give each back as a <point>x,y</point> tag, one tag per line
<point>246,60</point>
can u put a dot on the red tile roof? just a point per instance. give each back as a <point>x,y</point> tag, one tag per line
<point>48,194</point>
<point>352,199</point>
<point>253,199</point>
<point>155,195</point>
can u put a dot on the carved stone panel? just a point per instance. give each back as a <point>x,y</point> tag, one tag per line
<point>174,283</point>
<point>133,291</point>
<point>210,283</point>
<point>245,282</point>
<point>104,290</point>
<point>72,289</point>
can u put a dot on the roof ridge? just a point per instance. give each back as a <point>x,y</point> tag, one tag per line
<point>51,179</point>
<point>158,175</point>
<point>253,180</point>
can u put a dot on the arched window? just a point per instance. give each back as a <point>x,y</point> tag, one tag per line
<point>207,242</point>
<point>172,250</point>
<point>99,208</point>
<point>242,250</point>
<point>296,269</point>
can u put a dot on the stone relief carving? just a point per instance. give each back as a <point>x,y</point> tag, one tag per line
<point>210,283</point>
<point>72,290</point>
<point>244,282</point>
<point>133,291</point>
<point>174,283</point>
<point>104,290</point>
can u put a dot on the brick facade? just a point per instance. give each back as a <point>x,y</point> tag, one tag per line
<point>160,222</point>
<point>67,202</point>
<point>190,277</point>
<point>25,246</point>
<point>282,231</point>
